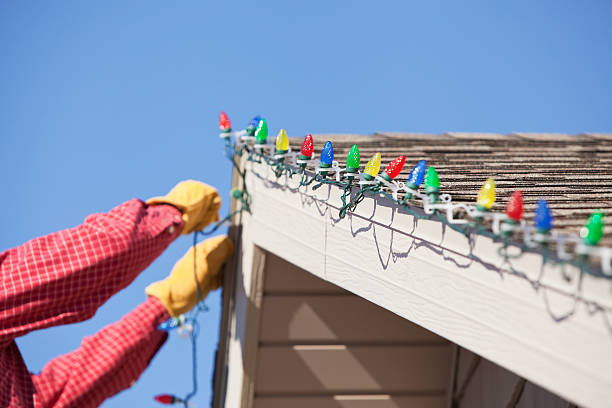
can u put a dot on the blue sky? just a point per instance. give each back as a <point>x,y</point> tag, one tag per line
<point>104,101</point>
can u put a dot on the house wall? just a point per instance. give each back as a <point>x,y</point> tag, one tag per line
<point>319,345</point>
<point>322,346</point>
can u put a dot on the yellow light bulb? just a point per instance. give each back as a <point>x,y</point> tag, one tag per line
<point>282,141</point>
<point>373,166</point>
<point>486,196</point>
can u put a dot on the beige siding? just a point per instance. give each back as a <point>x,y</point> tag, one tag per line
<point>283,277</point>
<point>321,346</point>
<point>351,401</point>
<point>348,369</point>
<point>336,319</point>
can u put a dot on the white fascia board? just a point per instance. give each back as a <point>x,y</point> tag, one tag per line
<point>434,276</point>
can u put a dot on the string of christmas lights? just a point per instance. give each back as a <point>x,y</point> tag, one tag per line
<point>508,227</point>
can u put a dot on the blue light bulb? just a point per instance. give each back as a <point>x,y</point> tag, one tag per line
<point>327,154</point>
<point>417,175</point>
<point>254,122</point>
<point>543,217</point>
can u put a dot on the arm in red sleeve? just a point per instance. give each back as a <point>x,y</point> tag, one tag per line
<point>64,277</point>
<point>106,363</point>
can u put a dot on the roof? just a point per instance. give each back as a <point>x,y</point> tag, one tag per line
<point>572,172</point>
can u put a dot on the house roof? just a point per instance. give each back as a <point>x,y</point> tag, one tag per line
<point>572,172</point>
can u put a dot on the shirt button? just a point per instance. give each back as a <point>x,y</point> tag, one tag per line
<point>171,230</point>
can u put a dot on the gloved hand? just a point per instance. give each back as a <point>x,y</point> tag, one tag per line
<point>178,292</point>
<point>198,202</point>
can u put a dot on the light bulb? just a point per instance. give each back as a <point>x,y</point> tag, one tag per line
<point>543,217</point>
<point>224,123</point>
<point>165,399</point>
<point>353,160</point>
<point>327,154</point>
<point>432,181</point>
<point>372,168</point>
<point>307,148</point>
<point>417,175</point>
<point>514,208</point>
<point>486,196</point>
<point>261,133</point>
<point>253,125</point>
<point>282,142</point>
<point>432,184</point>
<point>592,232</point>
<point>394,168</point>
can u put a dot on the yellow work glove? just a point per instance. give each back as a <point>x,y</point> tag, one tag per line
<point>198,202</point>
<point>178,292</point>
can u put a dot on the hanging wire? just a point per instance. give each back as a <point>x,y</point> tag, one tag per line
<point>191,318</point>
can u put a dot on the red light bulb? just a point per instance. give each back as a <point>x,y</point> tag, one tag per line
<point>395,167</point>
<point>514,208</point>
<point>307,147</point>
<point>224,122</point>
<point>165,399</point>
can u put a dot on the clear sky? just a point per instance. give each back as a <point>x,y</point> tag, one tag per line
<point>101,102</point>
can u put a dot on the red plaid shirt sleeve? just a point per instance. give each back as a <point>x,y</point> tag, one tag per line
<point>106,363</point>
<point>63,278</point>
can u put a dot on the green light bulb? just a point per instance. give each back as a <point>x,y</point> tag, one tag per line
<point>592,232</point>
<point>261,134</point>
<point>432,184</point>
<point>432,181</point>
<point>353,160</point>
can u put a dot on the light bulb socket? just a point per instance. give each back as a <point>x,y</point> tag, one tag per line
<point>433,194</point>
<point>510,227</point>
<point>386,177</point>
<point>236,194</point>
<point>367,177</point>
<point>250,131</point>
<point>324,166</point>
<point>541,237</point>
<point>279,170</point>
<point>482,208</point>
<point>412,186</point>
<point>303,158</point>
<point>350,172</point>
